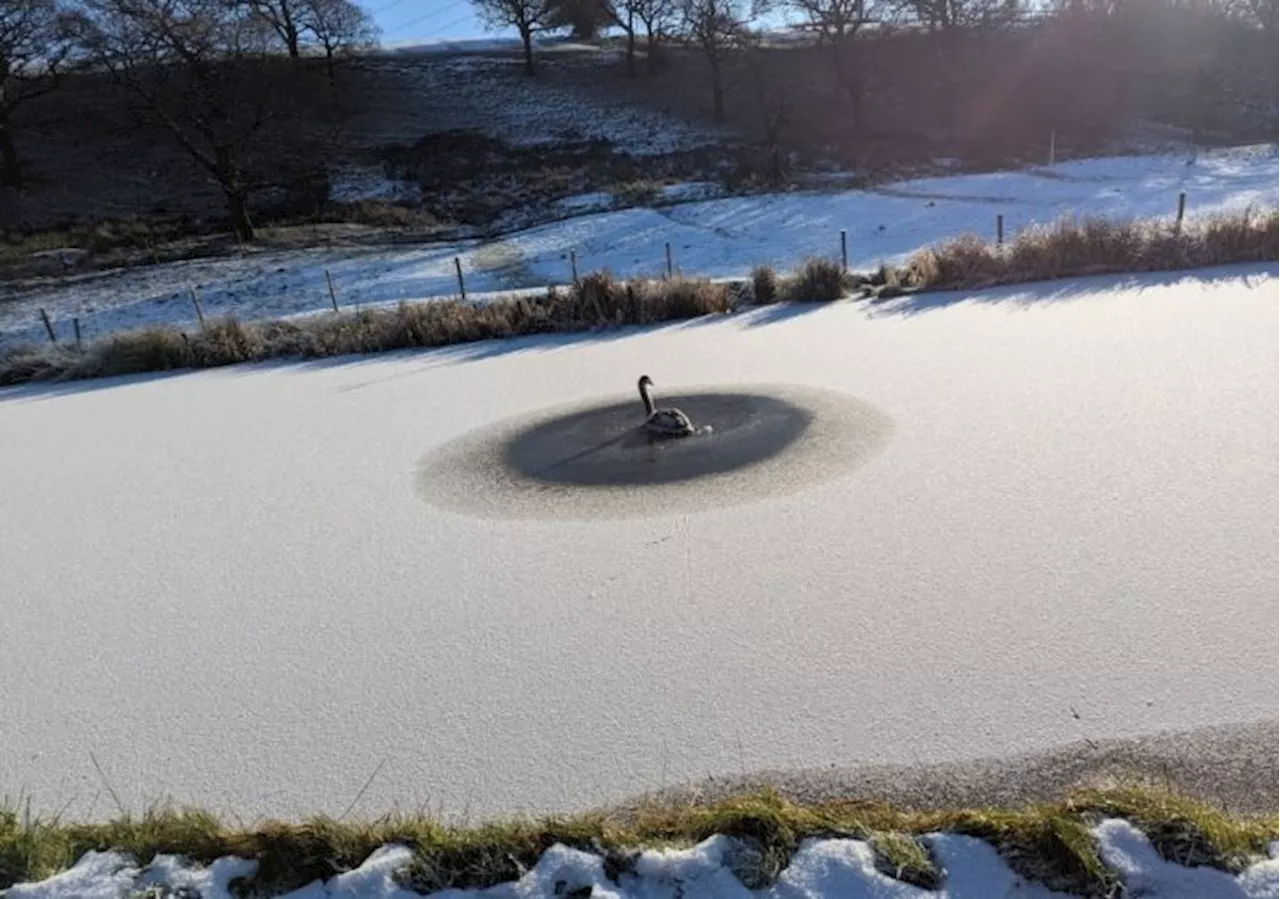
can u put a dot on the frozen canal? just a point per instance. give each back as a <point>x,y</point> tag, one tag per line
<point>229,587</point>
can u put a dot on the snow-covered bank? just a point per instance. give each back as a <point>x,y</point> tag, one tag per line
<point>228,587</point>
<point>821,869</point>
<point>717,238</point>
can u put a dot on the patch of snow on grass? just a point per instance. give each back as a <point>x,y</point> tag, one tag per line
<point>173,874</point>
<point>690,190</point>
<point>972,868</point>
<point>374,879</point>
<point>491,94</point>
<point>820,869</point>
<point>357,183</point>
<point>591,202</point>
<point>98,875</point>
<point>1128,852</point>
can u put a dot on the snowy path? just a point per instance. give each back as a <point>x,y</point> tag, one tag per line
<point>718,238</point>
<point>226,586</point>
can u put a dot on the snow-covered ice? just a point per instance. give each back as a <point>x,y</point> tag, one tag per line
<point>820,869</point>
<point>717,238</point>
<point>226,586</point>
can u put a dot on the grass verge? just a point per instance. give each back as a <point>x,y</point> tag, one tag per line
<point>597,301</point>
<point>1073,248</point>
<point>1048,843</point>
<point>1066,249</point>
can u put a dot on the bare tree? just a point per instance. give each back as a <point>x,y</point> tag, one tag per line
<point>836,23</point>
<point>33,47</point>
<point>201,69</point>
<point>339,26</point>
<point>656,16</point>
<point>584,18</point>
<point>948,16</point>
<point>1265,14</point>
<point>774,108</point>
<point>527,16</point>
<point>948,21</point>
<point>717,28</point>
<point>286,18</point>
<point>660,19</point>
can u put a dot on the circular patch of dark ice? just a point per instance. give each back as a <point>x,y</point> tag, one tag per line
<point>595,460</point>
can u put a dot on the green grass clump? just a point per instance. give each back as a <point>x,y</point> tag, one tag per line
<point>639,192</point>
<point>1048,843</point>
<point>1182,830</point>
<point>900,856</point>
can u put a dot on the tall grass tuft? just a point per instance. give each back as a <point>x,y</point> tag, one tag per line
<point>816,281</point>
<point>764,284</point>
<point>1072,248</point>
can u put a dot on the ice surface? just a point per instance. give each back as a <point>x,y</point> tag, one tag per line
<point>226,586</point>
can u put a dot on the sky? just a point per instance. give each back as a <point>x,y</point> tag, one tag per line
<point>427,21</point>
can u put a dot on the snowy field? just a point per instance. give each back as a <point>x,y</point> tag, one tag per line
<point>717,238</point>
<point>821,869</point>
<point>227,587</point>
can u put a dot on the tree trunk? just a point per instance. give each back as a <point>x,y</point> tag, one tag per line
<point>526,37</point>
<point>631,45</point>
<point>850,82</point>
<point>234,191</point>
<point>238,208</point>
<point>855,105</point>
<point>717,91</point>
<point>946,56</point>
<point>1275,82</point>
<point>651,51</point>
<point>291,38</point>
<point>853,78</point>
<point>10,166</point>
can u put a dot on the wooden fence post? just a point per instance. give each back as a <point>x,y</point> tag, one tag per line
<point>457,267</point>
<point>999,230</point>
<point>573,265</point>
<point>1182,209</point>
<point>844,250</point>
<point>75,324</point>
<point>668,259</point>
<point>195,301</point>
<point>333,297</point>
<point>48,326</point>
